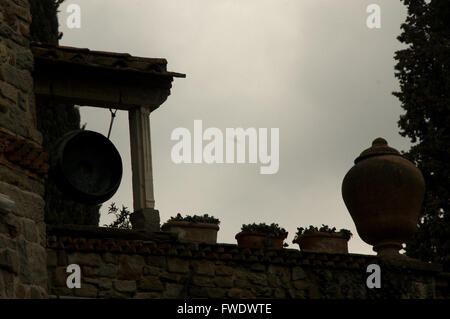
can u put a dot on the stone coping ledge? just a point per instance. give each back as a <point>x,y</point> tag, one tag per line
<point>84,231</point>
<point>91,239</point>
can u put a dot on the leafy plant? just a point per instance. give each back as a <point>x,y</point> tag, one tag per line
<point>271,230</point>
<point>122,217</point>
<point>324,229</point>
<point>423,70</point>
<point>195,219</point>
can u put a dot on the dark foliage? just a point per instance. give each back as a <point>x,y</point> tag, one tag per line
<point>122,217</point>
<point>195,219</point>
<point>324,229</point>
<point>271,230</point>
<point>423,72</point>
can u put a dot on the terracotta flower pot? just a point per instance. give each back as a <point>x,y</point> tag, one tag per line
<point>193,232</point>
<point>383,192</point>
<point>324,242</point>
<point>259,240</point>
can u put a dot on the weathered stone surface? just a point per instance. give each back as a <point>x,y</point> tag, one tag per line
<point>6,242</point>
<point>110,258</point>
<point>225,282</point>
<point>177,265</point>
<point>301,284</point>
<point>23,257</point>
<point>85,259</point>
<point>27,204</point>
<point>33,263</point>
<point>222,270</point>
<point>29,230</point>
<point>59,276</point>
<point>173,290</point>
<point>170,277</point>
<point>204,267</point>
<point>242,283</point>
<point>125,285</point>
<point>113,294</point>
<point>296,294</point>
<point>151,270</point>
<point>10,224</point>
<point>216,293</point>
<point>274,280</point>
<point>198,292</point>
<point>157,261</point>
<point>279,293</point>
<point>61,257</point>
<point>258,267</point>
<point>101,283</point>
<point>130,267</point>
<point>202,281</point>
<point>9,260</point>
<point>282,272</point>
<point>9,92</point>
<point>108,270</point>
<point>89,271</point>
<point>298,273</point>
<point>37,292</point>
<point>147,295</point>
<point>257,279</point>
<point>262,292</point>
<point>62,291</point>
<point>22,291</point>
<point>18,78</point>
<point>238,293</point>
<point>24,59</point>
<point>86,290</point>
<point>21,180</point>
<point>176,277</point>
<point>151,283</point>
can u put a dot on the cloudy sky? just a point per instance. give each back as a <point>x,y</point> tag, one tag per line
<point>311,68</point>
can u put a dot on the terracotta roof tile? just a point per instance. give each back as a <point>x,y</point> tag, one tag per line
<point>101,59</point>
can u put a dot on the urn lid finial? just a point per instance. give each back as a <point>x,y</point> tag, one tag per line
<point>379,147</point>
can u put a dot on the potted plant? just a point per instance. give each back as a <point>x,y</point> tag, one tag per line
<point>194,229</point>
<point>261,236</point>
<point>323,239</point>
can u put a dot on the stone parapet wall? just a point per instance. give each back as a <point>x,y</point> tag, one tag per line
<point>22,162</point>
<point>112,267</point>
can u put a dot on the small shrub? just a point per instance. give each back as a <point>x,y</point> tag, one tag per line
<point>195,219</point>
<point>325,229</point>
<point>122,217</point>
<point>271,230</point>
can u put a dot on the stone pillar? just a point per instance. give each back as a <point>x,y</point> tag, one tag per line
<point>145,217</point>
<point>23,257</point>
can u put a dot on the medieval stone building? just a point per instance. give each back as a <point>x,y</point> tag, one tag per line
<point>143,262</point>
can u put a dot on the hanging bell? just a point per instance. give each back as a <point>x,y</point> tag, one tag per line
<point>87,167</point>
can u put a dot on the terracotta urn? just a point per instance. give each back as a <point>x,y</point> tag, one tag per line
<point>383,192</point>
<point>193,232</point>
<point>248,239</point>
<point>323,242</point>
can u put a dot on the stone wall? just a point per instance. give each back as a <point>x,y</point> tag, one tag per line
<point>22,162</point>
<point>114,267</point>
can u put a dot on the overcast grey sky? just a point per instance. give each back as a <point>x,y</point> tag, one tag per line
<point>311,68</point>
